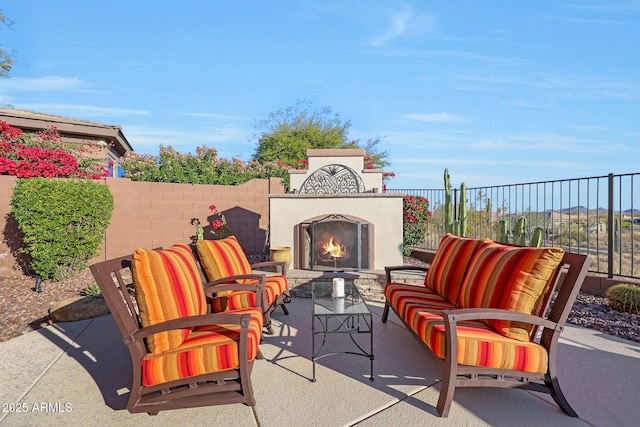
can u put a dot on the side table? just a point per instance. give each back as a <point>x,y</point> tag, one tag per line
<point>344,315</point>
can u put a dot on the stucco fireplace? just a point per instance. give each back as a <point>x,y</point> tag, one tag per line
<point>335,218</point>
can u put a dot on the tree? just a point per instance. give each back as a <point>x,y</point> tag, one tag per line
<point>6,59</point>
<point>289,132</point>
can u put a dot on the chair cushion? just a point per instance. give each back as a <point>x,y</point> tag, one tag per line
<point>449,265</point>
<point>234,300</point>
<point>478,344</point>
<point>222,258</point>
<point>225,257</point>
<point>167,285</point>
<point>512,278</point>
<point>205,350</point>
<point>401,295</point>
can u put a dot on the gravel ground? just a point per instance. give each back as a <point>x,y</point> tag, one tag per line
<point>593,311</point>
<point>24,310</point>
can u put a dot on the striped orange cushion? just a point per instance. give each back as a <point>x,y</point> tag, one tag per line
<point>479,345</point>
<point>449,265</point>
<point>400,296</point>
<point>222,258</point>
<point>167,285</point>
<point>225,257</point>
<point>234,300</point>
<point>205,350</point>
<point>511,278</point>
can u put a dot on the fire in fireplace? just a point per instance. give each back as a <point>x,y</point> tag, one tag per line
<point>334,242</point>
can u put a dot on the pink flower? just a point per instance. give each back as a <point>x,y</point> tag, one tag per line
<point>217,224</point>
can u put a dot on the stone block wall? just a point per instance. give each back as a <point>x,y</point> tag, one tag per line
<point>153,215</point>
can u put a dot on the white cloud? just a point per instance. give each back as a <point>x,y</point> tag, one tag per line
<point>229,141</point>
<point>548,143</point>
<point>400,23</point>
<point>435,117</point>
<point>397,27</point>
<point>43,84</point>
<point>82,111</point>
<point>216,116</point>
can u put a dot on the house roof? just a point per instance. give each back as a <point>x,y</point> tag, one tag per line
<point>34,121</point>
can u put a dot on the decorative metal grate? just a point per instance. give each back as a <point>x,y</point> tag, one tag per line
<point>333,179</point>
<point>351,236</point>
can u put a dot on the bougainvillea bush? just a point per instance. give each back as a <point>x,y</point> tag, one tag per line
<point>416,215</point>
<point>44,154</point>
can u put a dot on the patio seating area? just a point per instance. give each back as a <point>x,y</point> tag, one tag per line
<point>79,373</point>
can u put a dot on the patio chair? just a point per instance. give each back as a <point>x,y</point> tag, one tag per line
<point>182,355</point>
<point>224,261</point>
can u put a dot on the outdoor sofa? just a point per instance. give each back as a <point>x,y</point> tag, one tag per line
<point>484,312</point>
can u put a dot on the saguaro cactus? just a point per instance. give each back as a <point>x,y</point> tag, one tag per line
<point>520,232</point>
<point>537,237</point>
<point>459,226</point>
<point>502,232</point>
<point>448,209</point>
<point>462,211</point>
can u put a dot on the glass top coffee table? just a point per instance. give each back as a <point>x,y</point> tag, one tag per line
<point>344,315</point>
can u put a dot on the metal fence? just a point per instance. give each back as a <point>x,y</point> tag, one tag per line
<point>594,215</point>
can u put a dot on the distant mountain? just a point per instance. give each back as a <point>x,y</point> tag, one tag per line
<point>583,210</point>
<point>575,210</point>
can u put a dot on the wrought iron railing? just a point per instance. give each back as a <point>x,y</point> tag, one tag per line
<point>594,215</point>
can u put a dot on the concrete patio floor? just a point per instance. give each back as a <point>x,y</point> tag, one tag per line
<point>78,374</point>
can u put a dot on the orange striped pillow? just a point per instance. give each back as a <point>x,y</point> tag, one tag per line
<point>449,265</point>
<point>508,277</point>
<point>222,258</point>
<point>167,285</point>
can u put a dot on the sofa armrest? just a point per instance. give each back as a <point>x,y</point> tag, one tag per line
<point>272,264</point>
<point>391,269</point>
<point>241,319</point>
<point>260,278</point>
<point>452,316</point>
<point>230,284</point>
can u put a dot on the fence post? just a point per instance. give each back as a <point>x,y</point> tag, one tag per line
<point>610,228</point>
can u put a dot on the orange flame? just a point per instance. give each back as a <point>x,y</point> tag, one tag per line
<point>333,249</point>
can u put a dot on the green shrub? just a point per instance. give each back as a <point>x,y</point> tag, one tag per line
<point>625,298</point>
<point>93,290</point>
<point>63,223</point>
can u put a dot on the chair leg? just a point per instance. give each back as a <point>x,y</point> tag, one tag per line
<point>385,312</point>
<point>447,389</point>
<point>286,311</point>
<point>449,372</point>
<point>266,316</point>
<point>558,396</point>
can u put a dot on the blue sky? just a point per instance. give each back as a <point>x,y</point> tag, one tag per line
<point>497,92</point>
